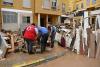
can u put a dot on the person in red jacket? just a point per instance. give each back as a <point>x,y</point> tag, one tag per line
<point>30,36</point>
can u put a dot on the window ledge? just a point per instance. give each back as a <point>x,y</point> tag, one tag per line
<point>27,7</point>
<point>46,8</point>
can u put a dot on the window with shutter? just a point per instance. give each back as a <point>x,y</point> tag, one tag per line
<point>27,3</point>
<point>46,4</point>
<point>93,1</point>
<point>54,4</point>
<point>82,5</point>
<point>63,8</point>
<point>77,7</point>
<point>9,17</point>
<point>88,2</point>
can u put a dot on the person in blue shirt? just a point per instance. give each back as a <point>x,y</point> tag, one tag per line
<point>43,32</point>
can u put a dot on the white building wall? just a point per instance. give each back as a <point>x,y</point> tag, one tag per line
<point>19,24</point>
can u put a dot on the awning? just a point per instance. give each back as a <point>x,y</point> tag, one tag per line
<point>15,10</point>
<point>95,12</point>
<point>64,16</point>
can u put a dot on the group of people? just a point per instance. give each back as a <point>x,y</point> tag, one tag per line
<point>41,34</point>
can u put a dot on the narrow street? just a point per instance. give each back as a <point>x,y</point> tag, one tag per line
<point>72,60</point>
<point>20,58</point>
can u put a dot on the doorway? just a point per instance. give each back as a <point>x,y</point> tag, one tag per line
<point>42,22</point>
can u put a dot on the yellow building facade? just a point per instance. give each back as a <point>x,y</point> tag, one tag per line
<point>71,6</point>
<point>79,4</point>
<point>82,4</point>
<point>98,3</point>
<point>0,15</point>
<point>65,3</point>
<point>49,11</point>
<point>89,3</point>
<point>86,5</point>
<point>23,12</point>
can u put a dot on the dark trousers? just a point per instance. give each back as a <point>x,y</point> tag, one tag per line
<point>29,45</point>
<point>38,39</point>
<point>43,41</point>
<point>0,41</point>
<point>52,40</point>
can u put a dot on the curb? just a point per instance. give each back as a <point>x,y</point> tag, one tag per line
<point>43,60</point>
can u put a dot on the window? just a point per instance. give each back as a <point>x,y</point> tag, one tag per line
<point>63,8</point>
<point>26,19</point>
<point>93,1</point>
<point>82,6</point>
<point>77,7</point>
<point>88,2</point>
<point>8,2</point>
<point>54,4</point>
<point>9,17</point>
<point>27,3</point>
<point>46,4</point>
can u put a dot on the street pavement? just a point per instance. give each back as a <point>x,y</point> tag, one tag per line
<point>67,59</point>
<point>72,60</point>
<point>20,58</point>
